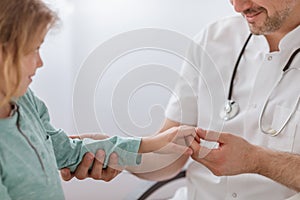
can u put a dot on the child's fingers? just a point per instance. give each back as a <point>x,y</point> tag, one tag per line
<point>184,131</point>
<point>189,140</point>
<point>94,136</point>
<point>74,137</point>
<point>179,149</point>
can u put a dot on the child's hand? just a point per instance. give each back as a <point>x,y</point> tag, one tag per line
<point>176,140</point>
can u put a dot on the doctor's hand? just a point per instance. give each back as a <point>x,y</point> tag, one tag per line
<point>233,156</point>
<point>97,172</point>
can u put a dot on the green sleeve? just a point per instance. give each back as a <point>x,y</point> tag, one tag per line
<point>74,150</point>
<point>69,152</point>
<point>3,192</point>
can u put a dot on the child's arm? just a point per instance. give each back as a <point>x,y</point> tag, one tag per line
<point>173,140</point>
<point>128,149</point>
<point>69,152</point>
<point>165,142</point>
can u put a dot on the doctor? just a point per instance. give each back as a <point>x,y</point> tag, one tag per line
<point>244,89</point>
<point>258,153</point>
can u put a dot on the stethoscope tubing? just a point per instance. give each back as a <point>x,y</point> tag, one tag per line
<point>227,115</point>
<point>236,66</point>
<point>271,131</point>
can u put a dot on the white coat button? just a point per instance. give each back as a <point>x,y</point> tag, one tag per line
<point>234,195</point>
<point>270,58</point>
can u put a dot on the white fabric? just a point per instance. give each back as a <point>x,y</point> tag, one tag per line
<point>180,194</point>
<point>295,197</point>
<point>203,90</point>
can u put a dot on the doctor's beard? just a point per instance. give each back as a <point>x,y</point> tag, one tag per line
<point>271,23</point>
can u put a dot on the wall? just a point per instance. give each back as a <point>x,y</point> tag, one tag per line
<point>124,101</point>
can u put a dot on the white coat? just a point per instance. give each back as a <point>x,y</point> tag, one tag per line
<point>203,89</point>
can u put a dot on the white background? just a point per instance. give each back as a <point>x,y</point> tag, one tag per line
<point>84,26</point>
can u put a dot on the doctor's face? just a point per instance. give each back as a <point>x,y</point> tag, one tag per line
<point>269,16</point>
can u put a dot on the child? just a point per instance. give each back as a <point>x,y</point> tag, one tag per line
<point>31,149</point>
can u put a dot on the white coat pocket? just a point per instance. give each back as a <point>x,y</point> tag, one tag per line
<point>284,141</point>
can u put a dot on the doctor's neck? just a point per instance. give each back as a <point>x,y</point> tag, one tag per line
<point>274,26</point>
<point>274,38</point>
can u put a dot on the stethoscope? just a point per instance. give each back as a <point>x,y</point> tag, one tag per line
<point>231,107</point>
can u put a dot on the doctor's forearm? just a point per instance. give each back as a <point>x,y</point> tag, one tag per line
<point>280,166</point>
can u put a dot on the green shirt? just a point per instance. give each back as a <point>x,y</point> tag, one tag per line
<point>31,151</point>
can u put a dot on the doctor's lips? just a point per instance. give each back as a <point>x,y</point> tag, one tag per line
<point>250,14</point>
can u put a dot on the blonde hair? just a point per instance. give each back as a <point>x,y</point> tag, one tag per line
<point>21,21</point>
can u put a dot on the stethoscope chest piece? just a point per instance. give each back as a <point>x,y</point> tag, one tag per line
<point>230,110</point>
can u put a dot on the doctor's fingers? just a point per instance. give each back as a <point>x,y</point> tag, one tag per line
<point>178,149</point>
<point>66,174</point>
<point>213,135</point>
<point>96,171</point>
<point>207,154</point>
<point>113,168</point>
<point>215,169</point>
<point>193,144</point>
<point>82,170</point>
<point>217,162</point>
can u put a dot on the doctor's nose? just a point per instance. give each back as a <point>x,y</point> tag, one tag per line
<point>241,5</point>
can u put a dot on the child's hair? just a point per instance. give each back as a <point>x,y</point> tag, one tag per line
<point>21,21</point>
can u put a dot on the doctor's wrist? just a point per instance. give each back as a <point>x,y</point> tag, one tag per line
<point>261,160</point>
<point>252,159</point>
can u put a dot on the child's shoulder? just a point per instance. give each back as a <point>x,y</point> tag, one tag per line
<point>31,101</point>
